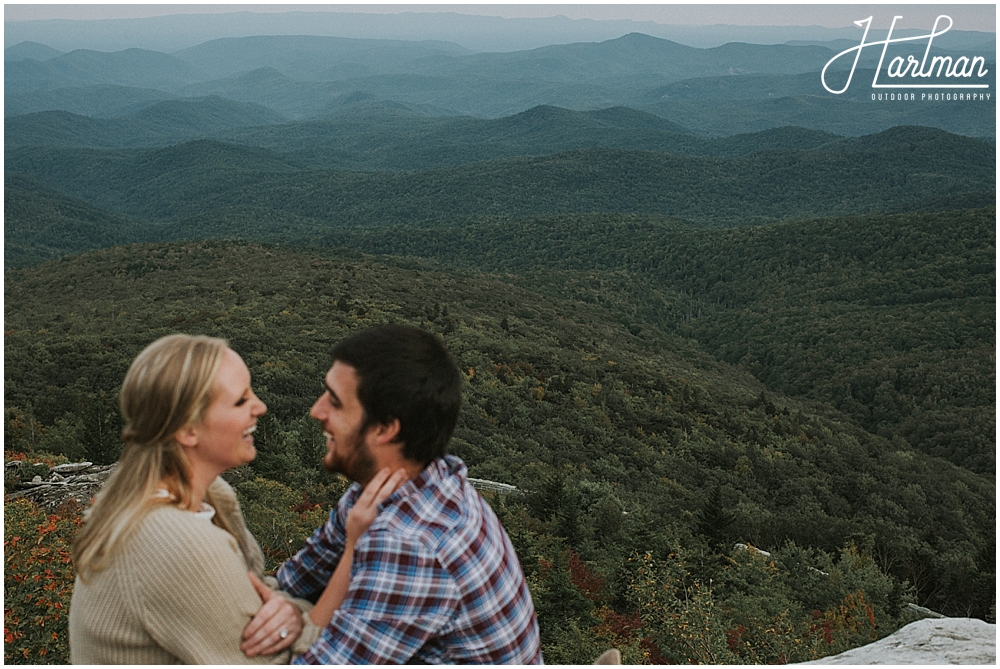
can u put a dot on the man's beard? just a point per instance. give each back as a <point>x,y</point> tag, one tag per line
<point>356,463</point>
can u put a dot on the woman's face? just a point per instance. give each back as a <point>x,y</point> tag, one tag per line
<point>225,433</point>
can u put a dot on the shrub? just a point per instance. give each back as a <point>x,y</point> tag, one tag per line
<point>281,519</point>
<point>38,581</point>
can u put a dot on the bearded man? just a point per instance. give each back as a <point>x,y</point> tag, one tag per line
<point>435,579</point>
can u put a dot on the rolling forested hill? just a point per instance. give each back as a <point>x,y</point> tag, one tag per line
<point>101,101</point>
<point>561,400</point>
<point>888,318</point>
<point>720,116</point>
<point>28,49</point>
<point>896,171</point>
<point>365,134</point>
<point>40,224</point>
<point>160,124</point>
<point>85,67</point>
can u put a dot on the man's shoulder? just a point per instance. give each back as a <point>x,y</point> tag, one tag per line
<point>445,515</point>
<point>439,500</point>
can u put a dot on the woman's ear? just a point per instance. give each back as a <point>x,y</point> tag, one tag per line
<point>187,436</point>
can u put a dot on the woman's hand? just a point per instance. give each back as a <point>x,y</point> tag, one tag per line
<point>275,626</point>
<point>365,509</point>
<point>359,519</point>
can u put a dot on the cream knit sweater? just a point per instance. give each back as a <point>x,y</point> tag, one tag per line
<point>176,592</point>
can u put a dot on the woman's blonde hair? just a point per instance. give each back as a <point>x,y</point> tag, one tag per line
<point>168,387</point>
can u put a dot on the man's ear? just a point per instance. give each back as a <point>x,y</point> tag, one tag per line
<point>187,436</point>
<point>386,433</point>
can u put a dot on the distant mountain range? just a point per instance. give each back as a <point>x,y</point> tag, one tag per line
<point>730,89</point>
<point>305,58</point>
<point>762,181</point>
<point>371,135</point>
<point>480,33</point>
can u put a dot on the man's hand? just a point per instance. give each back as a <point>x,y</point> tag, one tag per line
<point>275,626</point>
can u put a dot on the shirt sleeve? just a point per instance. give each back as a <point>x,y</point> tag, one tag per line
<point>306,574</point>
<point>400,597</point>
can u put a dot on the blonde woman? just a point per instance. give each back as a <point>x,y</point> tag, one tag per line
<point>163,556</point>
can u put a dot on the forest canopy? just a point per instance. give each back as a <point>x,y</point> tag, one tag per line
<point>632,451</point>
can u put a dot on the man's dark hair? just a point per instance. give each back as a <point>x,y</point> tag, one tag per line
<point>406,373</point>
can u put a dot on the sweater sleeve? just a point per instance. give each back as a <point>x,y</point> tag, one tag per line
<point>191,589</point>
<point>225,503</point>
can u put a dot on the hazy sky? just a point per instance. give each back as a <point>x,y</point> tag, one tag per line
<point>966,17</point>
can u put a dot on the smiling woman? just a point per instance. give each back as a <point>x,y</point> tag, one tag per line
<point>223,438</point>
<point>163,556</point>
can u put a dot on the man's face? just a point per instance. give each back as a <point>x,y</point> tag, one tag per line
<point>340,413</point>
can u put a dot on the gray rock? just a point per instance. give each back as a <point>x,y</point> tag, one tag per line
<point>72,467</point>
<point>922,612</point>
<point>928,641</point>
<point>58,489</point>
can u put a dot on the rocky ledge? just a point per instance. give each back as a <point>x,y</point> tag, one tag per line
<point>51,486</point>
<point>928,641</point>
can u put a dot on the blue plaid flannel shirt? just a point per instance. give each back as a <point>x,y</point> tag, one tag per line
<point>434,580</point>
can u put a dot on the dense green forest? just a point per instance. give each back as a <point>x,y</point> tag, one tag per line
<point>661,391</point>
<point>888,318</point>
<point>895,170</point>
<point>41,223</point>
<point>643,459</point>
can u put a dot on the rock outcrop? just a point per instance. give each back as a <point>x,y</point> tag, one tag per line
<point>51,486</point>
<point>928,641</point>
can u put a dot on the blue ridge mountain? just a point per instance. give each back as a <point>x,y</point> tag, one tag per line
<point>97,101</point>
<point>161,123</point>
<point>131,67</point>
<point>30,50</point>
<point>894,171</point>
<point>481,33</point>
<point>762,86</point>
<point>307,57</point>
